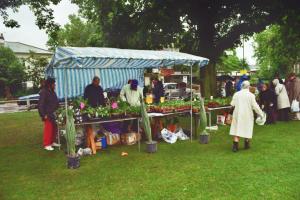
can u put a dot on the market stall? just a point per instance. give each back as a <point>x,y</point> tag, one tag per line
<point>73,68</point>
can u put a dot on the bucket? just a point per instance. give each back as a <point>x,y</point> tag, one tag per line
<point>103,142</point>
<point>151,147</point>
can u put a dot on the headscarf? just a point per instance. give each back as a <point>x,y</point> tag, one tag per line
<point>275,82</point>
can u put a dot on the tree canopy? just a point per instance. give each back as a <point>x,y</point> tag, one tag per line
<point>36,66</point>
<point>229,62</point>
<point>12,72</point>
<point>206,27</point>
<point>201,27</point>
<point>277,48</point>
<point>79,33</point>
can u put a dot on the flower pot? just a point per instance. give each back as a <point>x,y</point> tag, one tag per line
<point>151,147</point>
<point>73,162</point>
<point>204,139</point>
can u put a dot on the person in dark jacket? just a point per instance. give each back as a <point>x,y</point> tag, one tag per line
<point>158,90</point>
<point>229,88</point>
<point>268,102</point>
<point>47,105</point>
<point>94,93</point>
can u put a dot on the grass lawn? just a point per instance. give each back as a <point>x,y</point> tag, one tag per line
<point>269,170</point>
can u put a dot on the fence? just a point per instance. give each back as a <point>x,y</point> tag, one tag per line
<point>18,105</point>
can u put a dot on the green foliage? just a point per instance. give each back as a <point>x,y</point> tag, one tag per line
<point>42,10</point>
<point>36,66</point>
<point>78,33</point>
<point>278,47</point>
<point>230,62</point>
<point>12,71</point>
<point>202,119</point>
<point>70,134</point>
<point>146,121</point>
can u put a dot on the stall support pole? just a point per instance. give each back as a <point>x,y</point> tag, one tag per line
<point>66,98</point>
<point>191,112</point>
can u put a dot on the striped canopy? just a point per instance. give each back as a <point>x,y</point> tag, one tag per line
<point>114,66</point>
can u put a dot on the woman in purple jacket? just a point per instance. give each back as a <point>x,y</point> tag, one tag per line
<point>48,104</point>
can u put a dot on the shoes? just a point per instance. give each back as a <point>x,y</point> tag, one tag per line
<point>235,146</point>
<point>247,144</point>
<point>54,144</point>
<point>49,148</point>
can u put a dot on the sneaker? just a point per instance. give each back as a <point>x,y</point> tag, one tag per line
<point>54,144</point>
<point>49,148</point>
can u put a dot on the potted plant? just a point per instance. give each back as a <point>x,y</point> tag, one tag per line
<point>151,146</point>
<point>73,161</point>
<point>204,135</point>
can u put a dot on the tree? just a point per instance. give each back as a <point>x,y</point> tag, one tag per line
<point>36,66</point>
<point>204,27</point>
<point>229,62</point>
<point>41,9</point>
<point>12,72</point>
<point>277,48</point>
<point>79,33</point>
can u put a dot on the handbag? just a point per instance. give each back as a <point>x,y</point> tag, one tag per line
<point>295,106</point>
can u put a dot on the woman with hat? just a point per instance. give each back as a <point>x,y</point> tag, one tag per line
<point>243,119</point>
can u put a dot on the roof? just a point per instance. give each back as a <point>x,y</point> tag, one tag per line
<point>18,47</point>
<point>93,57</point>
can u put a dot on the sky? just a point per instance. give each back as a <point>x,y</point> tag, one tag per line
<point>30,34</point>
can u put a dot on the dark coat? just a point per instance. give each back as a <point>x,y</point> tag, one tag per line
<point>94,95</point>
<point>48,104</point>
<point>158,91</point>
<point>268,100</point>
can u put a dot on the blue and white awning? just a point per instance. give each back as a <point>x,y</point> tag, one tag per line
<point>113,66</point>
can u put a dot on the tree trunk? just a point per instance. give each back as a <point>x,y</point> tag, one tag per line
<point>7,93</point>
<point>208,80</point>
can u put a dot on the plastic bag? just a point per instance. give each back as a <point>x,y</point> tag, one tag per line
<point>168,136</point>
<point>181,135</point>
<point>295,106</point>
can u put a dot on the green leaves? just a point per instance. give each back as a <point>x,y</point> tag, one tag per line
<point>12,71</point>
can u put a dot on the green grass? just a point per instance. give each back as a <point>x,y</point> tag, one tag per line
<point>269,170</point>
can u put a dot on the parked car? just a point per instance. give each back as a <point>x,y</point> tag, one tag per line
<point>173,92</point>
<point>33,99</point>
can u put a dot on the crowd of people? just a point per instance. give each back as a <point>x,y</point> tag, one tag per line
<point>275,103</point>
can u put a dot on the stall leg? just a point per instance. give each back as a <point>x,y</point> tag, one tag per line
<point>139,139</point>
<point>58,137</point>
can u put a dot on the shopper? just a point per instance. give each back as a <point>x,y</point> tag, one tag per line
<point>283,103</point>
<point>229,88</point>
<point>158,90</point>
<point>240,82</point>
<point>267,102</point>
<point>243,119</point>
<point>132,93</point>
<point>294,92</point>
<point>94,93</point>
<point>47,105</point>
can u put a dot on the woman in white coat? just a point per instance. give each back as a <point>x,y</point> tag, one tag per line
<point>243,118</point>
<point>283,102</point>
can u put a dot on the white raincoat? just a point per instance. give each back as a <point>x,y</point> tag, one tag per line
<point>243,118</point>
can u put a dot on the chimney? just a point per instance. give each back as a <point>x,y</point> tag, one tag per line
<point>2,39</point>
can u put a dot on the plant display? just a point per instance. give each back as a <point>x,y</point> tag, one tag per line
<point>217,102</point>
